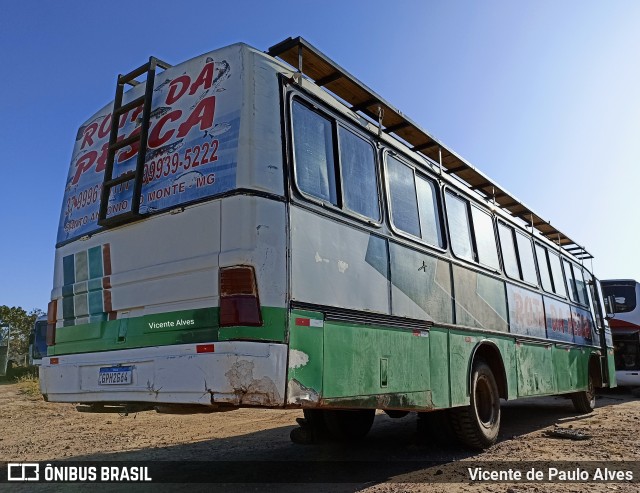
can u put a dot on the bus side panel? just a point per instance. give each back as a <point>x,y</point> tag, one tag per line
<point>336,265</point>
<point>376,367</point>
<point>535,369</point>
<point>568,364</point>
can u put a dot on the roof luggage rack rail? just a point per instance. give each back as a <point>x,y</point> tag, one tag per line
<point>324,72</point>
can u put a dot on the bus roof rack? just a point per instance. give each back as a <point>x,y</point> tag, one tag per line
<point>325,73</point>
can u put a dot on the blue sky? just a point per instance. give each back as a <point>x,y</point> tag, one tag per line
<point>543,97</point>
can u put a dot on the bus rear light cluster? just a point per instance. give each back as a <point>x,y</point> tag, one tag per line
<point>52,315</point>
<point>239,302</point>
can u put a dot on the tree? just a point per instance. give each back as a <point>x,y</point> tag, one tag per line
<point>21,324</point>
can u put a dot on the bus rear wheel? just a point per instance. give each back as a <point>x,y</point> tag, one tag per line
<point>585,401</point>
<point>349,424</point>
<point>477,425</point>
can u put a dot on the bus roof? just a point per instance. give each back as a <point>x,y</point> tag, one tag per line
<point>325,73</point>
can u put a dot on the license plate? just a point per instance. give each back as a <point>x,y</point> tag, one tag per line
<point>115,375</point>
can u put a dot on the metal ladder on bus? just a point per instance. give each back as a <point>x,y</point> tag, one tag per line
<point>109,182</point>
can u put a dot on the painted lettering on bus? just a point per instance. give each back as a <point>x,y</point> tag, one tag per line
<point>559,320</point>
<point>581,325</point>
<point>528,311</point>
<point>161,131</point>
<point>179,85</point>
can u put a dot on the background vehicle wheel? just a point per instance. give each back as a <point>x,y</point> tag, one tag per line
<point>477,425</point>
<point>585,401</point>
<point>349,425</point>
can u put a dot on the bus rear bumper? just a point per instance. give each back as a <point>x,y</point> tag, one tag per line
<point>236,373</point>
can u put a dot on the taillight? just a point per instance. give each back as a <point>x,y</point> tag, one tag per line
<point>239,302</point>
<point>52,315</point>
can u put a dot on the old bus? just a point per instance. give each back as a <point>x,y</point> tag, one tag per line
<point>625,329</point>
<point>262,229</point>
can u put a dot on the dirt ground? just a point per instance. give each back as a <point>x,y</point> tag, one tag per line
<point>393,458</point>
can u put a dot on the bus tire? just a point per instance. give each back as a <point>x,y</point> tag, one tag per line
<point>585,401</point>
<point>477,425</point>
<point>348,425</point>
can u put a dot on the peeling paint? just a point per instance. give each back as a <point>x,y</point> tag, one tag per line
<point>320,259</point>
<point>297,359</point>
<point>342,266</point>
<point>248,390</point>
<point>298,394</point>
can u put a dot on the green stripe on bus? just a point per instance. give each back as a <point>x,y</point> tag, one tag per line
<point>180,327</point>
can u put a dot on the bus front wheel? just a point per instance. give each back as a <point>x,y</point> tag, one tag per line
<point>477,425</point>
<point>585,401</point>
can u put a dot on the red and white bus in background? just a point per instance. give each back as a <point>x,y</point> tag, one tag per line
<point>625,328</point>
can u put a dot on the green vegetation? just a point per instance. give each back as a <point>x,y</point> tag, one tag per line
<point>30,385</point>
<point>21,324</point>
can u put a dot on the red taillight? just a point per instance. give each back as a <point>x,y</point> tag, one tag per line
<point>54,361</point>
<point>52,315</point>
<point>239,302</point>
<point>205,348</point>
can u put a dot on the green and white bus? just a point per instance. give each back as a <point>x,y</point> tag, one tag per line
<point>262,229</point>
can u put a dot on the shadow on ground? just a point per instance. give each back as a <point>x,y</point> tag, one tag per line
<point>268,461</point>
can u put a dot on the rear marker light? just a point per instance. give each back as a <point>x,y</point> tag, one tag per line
<point>205,348</point>
<point>239,301</point>
<point>54,361</point>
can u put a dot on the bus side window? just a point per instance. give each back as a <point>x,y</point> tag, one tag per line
<point>527,263</point>
<point>509,257</point>
<point>313,148</point>
<point>556,274</point>
<point>485,238</point>
<point>459,226</point>
<point>571,282</point>
<point>543,268</point>
<point>358,166</point>
<point>428,208</point>
<point>402,191</point>
<point>581,285</point>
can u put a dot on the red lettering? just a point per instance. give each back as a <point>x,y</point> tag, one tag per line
<point>537,312</point>
<point>202,115</point>
<point>84,164</point>
<point>102,159</point>
<point>205,79</point>
<point>133,148</point>
<point>105,127</point>
<point>155,139</point>
<point>518,309</point>
<point>88,134</point>
<point>134,115</point>
<point>177,88</point>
